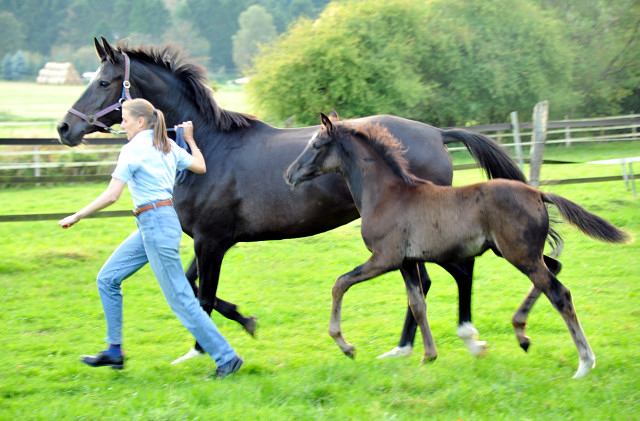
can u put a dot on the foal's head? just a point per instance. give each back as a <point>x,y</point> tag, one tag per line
<point>327,152</point>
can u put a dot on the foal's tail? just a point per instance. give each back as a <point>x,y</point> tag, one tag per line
<point>590,224</point>
<point>487,152</point>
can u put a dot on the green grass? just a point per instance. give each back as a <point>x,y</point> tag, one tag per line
<point>293,370</point>
<point>51,314</point>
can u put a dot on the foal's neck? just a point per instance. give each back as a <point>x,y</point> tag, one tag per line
<point>367,174</point>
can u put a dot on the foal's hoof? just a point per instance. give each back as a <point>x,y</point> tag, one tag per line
<point>250,325</point>
<point>585,367</point>
<point>525,343</point>
<point>428,359</point>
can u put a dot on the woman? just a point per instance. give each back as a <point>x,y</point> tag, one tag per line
<point>148,164</point>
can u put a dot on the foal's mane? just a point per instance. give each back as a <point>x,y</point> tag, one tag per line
<point>193,78</point>
<point>388,147</point>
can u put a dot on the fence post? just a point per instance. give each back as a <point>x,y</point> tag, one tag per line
<point>515,128</point>
<point>36,161</point>
<point>540,114</point>
<point>567,134</point>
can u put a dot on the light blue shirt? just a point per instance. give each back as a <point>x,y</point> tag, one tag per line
<point>149,173</point>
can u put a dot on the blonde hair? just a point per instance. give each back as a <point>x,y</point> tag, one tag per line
<point>154,118</point>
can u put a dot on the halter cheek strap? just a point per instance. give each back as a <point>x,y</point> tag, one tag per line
<point>125,96</point>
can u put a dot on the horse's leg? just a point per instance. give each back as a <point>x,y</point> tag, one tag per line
<point>519,319</point>
<point>208,261</point>
<point>418,306</point>
<point>405,346</point>
<point>463,274</point>
<point>370,269</point>
<point>560,298</point>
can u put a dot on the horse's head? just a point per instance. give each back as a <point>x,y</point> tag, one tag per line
<point>98,107</point>
<point>319,156</point>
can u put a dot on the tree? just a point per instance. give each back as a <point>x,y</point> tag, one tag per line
<point>41,21</point>
<point>216,21</point>
<point>14,66</point>
<point>443,62</point>
<point>606,38</point>
<point>256,28</point>
<point>84,20</point>
<point>148,17</point>
<point>11,36</point>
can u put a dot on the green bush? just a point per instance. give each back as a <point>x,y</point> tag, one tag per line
<point>442,62</point>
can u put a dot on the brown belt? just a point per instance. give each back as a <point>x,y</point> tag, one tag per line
<point>161,203</point>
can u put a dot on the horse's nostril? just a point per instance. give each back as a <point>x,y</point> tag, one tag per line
<point>63,128</point>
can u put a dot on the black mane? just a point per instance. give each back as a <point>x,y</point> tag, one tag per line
<point>193,78</point>
<point>388,147</point>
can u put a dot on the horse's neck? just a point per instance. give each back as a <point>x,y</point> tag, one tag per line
<point>158,88</point>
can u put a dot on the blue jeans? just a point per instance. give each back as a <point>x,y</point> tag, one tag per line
<point>157,241</point>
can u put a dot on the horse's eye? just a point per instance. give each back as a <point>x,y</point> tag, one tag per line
<point>104,84</point>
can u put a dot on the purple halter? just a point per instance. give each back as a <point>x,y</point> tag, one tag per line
<point>93,119</point>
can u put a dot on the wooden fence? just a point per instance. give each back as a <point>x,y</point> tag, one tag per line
<point>514,136</point>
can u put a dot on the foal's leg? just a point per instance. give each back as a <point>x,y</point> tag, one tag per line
<point>405,345</point>
<point>519,320</point>
<point>418,307</point>
<point>370,269</point>
<point>560,298</point>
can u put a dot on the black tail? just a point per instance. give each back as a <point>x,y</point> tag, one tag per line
<point>590,224</point>
<point>487,152</point>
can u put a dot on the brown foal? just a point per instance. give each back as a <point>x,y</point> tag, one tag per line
<point>407,218</point>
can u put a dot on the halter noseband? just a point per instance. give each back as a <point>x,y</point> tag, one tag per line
<point>93,119</point>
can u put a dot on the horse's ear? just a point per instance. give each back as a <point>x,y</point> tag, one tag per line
<point>99,50</point>
<point>109,51</point>
<point>326,122</point>
<point>333,115</point>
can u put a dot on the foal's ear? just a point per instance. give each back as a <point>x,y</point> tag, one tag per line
<point>333,115</point>
<point>326,122</point>
<point>99,50</point>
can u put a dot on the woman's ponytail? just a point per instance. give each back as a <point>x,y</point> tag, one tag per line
<point>140,107</point>
<point>160,138</point>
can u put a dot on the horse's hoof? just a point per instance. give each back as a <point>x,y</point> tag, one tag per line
<point>193,353</point>
<point>479,349</point>
<point>525,343</point>
<point>398,352</point>
<point>250,325</point>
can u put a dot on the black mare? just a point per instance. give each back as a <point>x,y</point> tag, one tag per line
<point>243,197</point>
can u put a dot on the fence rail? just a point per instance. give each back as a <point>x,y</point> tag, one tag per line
<point>610,129</point>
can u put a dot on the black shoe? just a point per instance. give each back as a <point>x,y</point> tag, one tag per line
<point>229,368</point>
<point>102,359</point>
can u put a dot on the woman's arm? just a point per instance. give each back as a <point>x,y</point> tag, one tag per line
<point>198,165</point>
<point>108,197</point>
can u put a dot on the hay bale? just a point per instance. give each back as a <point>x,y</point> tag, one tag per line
<point>59,74</point>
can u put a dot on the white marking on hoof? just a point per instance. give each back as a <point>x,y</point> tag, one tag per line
<point>468,333</point>
<point>193,353</point>
<point>398,352</point>
<point>585,367</point>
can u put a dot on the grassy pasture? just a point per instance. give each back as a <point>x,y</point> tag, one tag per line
<point>51,314</point>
